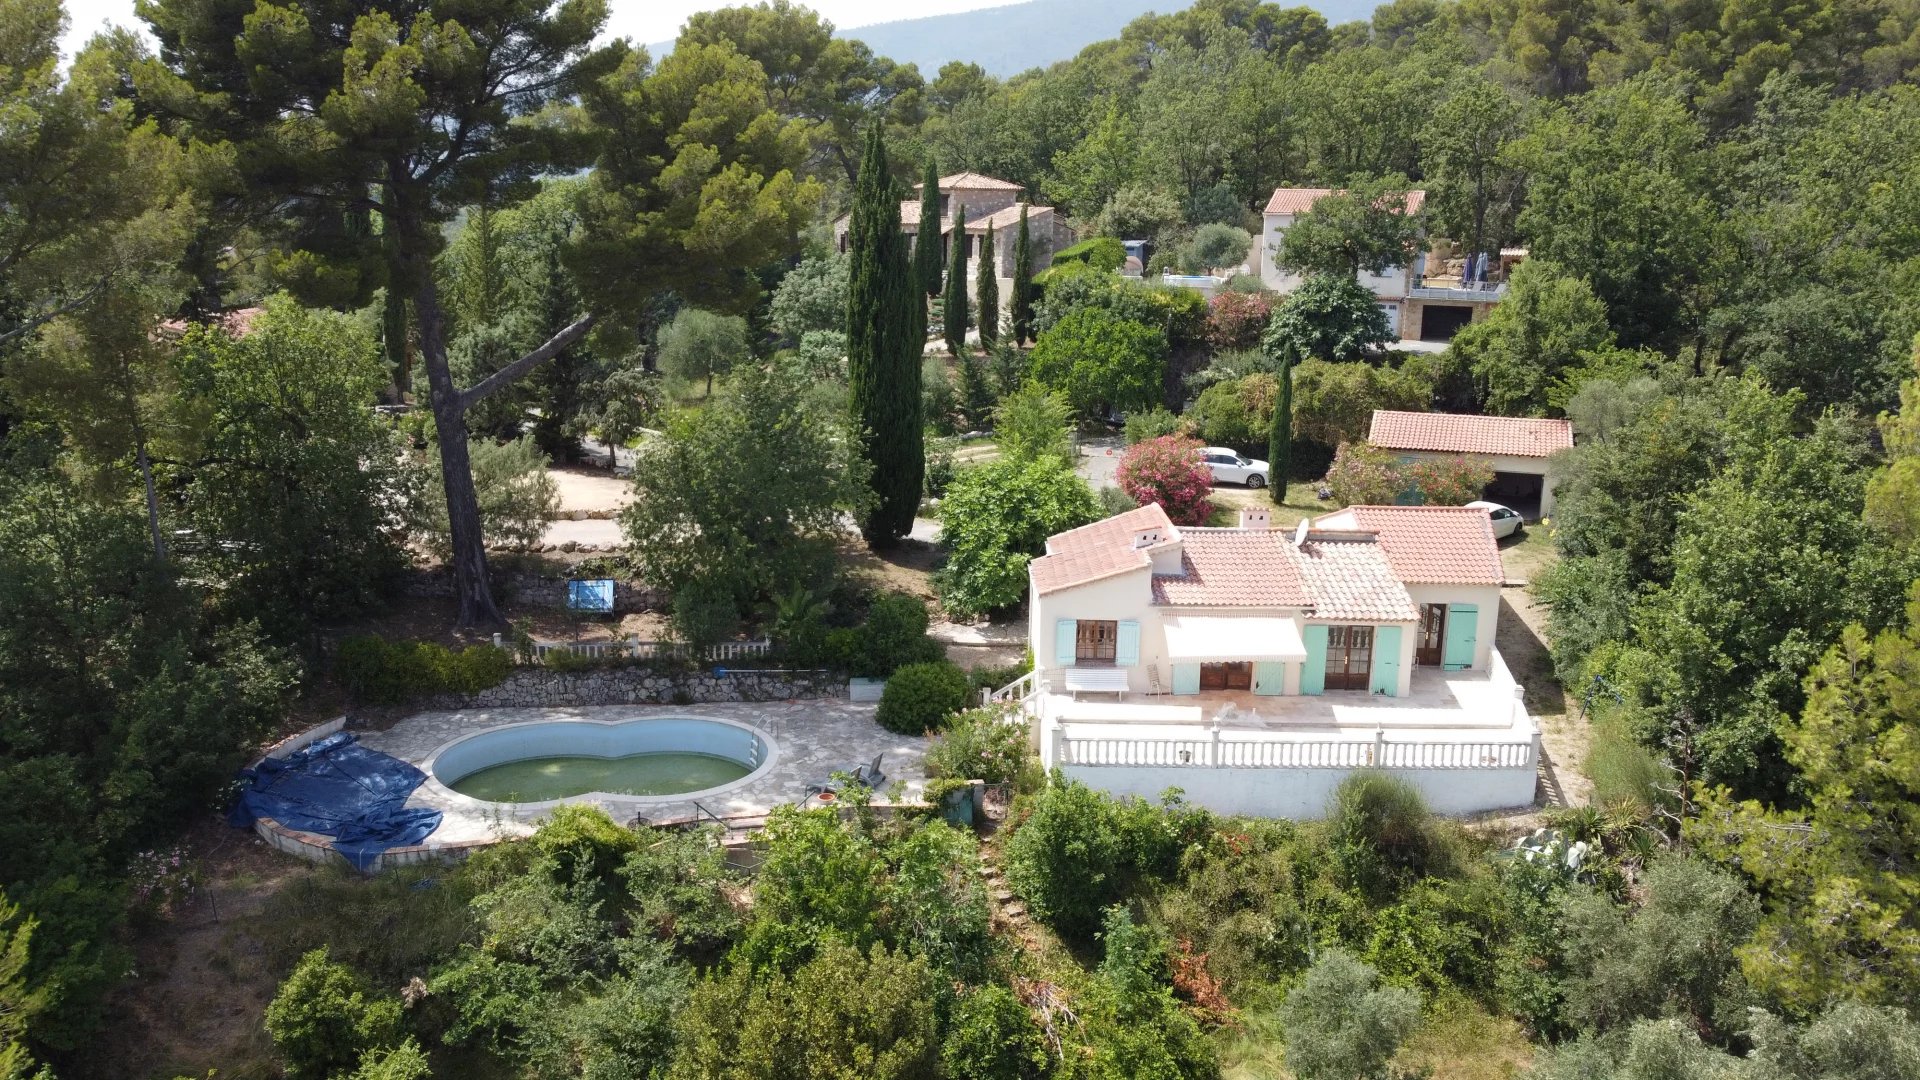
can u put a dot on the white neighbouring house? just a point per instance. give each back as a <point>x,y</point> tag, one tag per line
<point>1521,450</point>
<point>1256,668</point>
<point>1429,299</point>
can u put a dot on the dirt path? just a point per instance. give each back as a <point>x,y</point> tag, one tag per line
<point>200,983</point>
<point>1564,739</point>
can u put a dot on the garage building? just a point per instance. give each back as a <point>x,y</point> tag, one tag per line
<point>1519,450</point>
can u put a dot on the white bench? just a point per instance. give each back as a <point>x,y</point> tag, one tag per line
<point>1096,680</point>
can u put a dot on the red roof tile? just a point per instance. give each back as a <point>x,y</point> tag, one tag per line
<point>1234,568</point>
<point>1100,550</point>
<point>1353,579</point>
<point>1429,545</point>
<point>1299,200</point>
<point>972,181</point>
<point>1454,433</point>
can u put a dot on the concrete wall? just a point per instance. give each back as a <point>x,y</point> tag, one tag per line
<point>1302,794</point>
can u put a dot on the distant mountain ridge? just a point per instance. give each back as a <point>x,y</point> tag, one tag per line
<point>1011,39</point>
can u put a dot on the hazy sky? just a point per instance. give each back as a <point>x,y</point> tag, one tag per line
<point>645,22</point>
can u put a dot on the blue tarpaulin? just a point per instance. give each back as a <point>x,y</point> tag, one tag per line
<point>590,595</point>
<point>338,788</point>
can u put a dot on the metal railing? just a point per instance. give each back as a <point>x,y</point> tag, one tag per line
<point>1476,292</point>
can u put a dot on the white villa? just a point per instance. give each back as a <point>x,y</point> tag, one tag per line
<point>1255,668</point>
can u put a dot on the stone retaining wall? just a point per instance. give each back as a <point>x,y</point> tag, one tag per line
<point>539,688</point>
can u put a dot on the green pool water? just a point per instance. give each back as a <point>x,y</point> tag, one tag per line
<point>539,779</point>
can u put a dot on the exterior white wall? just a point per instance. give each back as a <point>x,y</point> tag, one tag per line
<point>1302,794</point>
<point>1486,597</point>
<point>1392,285</point>
<point>1129,596</point>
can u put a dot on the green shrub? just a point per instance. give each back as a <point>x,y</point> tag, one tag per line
<point>384,672</point>
<point>1151,424</point>
<point>894,634</point>
<point>1339,1026</point>
<point>1082,851</point>
<point>993,1037</point>
<point>1382,834</point>
<point>583,840</point>
<point>324,1017</point>
<point>922,697</point>
<point>1100,252</point>
<point>981,744</point>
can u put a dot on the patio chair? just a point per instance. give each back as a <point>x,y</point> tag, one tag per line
<point>867,776</point>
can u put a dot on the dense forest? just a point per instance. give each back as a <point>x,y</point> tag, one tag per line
<point>228,265</point>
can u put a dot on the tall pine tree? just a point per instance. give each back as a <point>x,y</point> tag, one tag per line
<point>926,247</point>
<point>884,340</point>
<point>954,307</point>
<point>1020,306</point>
<point>986,293</point>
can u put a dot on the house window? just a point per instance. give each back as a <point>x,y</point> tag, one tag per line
<point>1095,641</point>
<point>1349,657</point>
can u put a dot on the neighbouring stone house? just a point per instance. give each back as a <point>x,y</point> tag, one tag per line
<point>1520,449</point>
<point>987,201</point>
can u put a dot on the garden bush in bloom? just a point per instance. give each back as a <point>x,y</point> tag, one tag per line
<point>1167,470</point>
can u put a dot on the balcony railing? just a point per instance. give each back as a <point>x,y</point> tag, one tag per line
<point>1480,292</point>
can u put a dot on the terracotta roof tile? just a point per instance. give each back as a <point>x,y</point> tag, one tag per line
<point>1299,200</point>
<point>1454,433</point>
<point>973,181</point>
<point>1234,568</point>
<point>1429,545</point>
<point>1353,579</point>
<point>1100,550</point>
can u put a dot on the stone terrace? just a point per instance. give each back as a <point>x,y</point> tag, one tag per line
<point>814,738</point>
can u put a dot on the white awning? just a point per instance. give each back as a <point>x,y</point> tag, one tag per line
<point>1210,638</point>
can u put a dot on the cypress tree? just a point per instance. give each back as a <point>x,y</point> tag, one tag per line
<point>1280,435</point>
<point>883,355</point>
<point>954,306</point>
<point>1020,303</point>
<point>926,255</point>
<point>986,293</point>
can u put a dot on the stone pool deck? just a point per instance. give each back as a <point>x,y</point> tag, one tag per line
<point>813,740</point>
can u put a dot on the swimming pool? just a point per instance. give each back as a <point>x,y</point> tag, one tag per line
<point>659,757</point>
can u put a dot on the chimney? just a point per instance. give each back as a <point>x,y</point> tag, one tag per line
<point>1146,538</point>
<point>1255,518</point>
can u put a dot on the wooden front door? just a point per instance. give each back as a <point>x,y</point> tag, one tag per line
<point>1433,635</point>
<point>1237,676</point>
<point>1349,657</point>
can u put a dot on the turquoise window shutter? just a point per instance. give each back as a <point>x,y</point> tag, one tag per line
<point>1186,678</point>
<point>1386,661</point>
<point>1269,678</point>
<point>1463,631</point>
<point>1126,644</point>
<point>1065,645</point>
<point>1313,673</point>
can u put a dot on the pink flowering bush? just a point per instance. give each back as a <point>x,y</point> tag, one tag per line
<point>1452,481</point>
<point>1362,474</point>
<point>1167,470</point>
<point>161,880</point>
<point>1365,475</point>
<point>1236,320</point>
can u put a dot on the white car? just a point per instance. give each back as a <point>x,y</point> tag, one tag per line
<point>1228,467</point>
<point>1506,522</point>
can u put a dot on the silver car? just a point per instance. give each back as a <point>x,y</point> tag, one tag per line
<point>1228,467</point>
<point>1506,522</point>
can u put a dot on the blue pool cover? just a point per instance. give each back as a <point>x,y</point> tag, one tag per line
<point>338,788</point>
